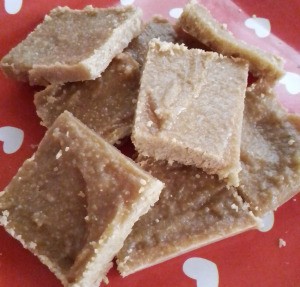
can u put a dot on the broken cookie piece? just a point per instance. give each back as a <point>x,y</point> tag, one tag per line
<point>270,151</point>
<point>194,209</point>
<point>106,105</point>
<point>190,108</point>
<point>197,21</point>
<point>73,45</point>
<point>75,201</point>
<point>158,27</point>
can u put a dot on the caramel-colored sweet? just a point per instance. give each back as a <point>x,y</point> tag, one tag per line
<point>190,108</point>
<point>106,105</point>
<point>197,21</point>
<point>73,45</point>
<point>270,151</point>
<point>158,27</point>
<point>161,28</point>
<point>75,201</point>
<point>194,209</point>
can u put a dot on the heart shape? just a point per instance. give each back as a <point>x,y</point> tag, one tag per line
<point>266,222</point>
<point>127,2</point>
<point>291,82</point>
<point>261,26</point>
<point>202,270</point>
<point>13,6</point>
<point>175,12</point>
<point>12,139</point>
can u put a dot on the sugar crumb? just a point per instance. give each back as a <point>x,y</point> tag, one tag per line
<point>149,124</point>
<point>32,245</point>
<point>291,141</point>
<point>234,207</point>
<point>47,18</point>
<point>81,194</point>
<point>105,280</point>
<point>143,182</point>
<point>59,154</point>
<point>3,218</point>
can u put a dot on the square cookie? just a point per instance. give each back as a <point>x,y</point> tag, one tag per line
<point>75,201</point>
<point>73,45</point>
<point>190,108</point>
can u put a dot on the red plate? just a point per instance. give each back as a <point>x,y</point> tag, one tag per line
<point>249,259</point>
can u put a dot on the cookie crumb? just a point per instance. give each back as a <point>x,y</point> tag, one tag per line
<point>234,207</point>
<point>105,280</point>
<point>59,154</point>
<point>143,182</point>
<point>81,194</point>
<point>282,243</point>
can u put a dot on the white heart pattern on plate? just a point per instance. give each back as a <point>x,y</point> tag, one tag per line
<point>261,26</point>
<point>175,12</point>
<point>202,270</point>
<point>266,222</point>
<point>291,82</point>
<point>126,2</point>
<point>13,6</point>
<point>12,139</point>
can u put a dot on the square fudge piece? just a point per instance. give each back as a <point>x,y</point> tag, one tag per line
<point>197,21</point>
<point>73,45</point>
<point>106,105</point>
<point>194,209</point>
<point>190,108</point>
<point>75,201</point>
<point>270,151</point>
